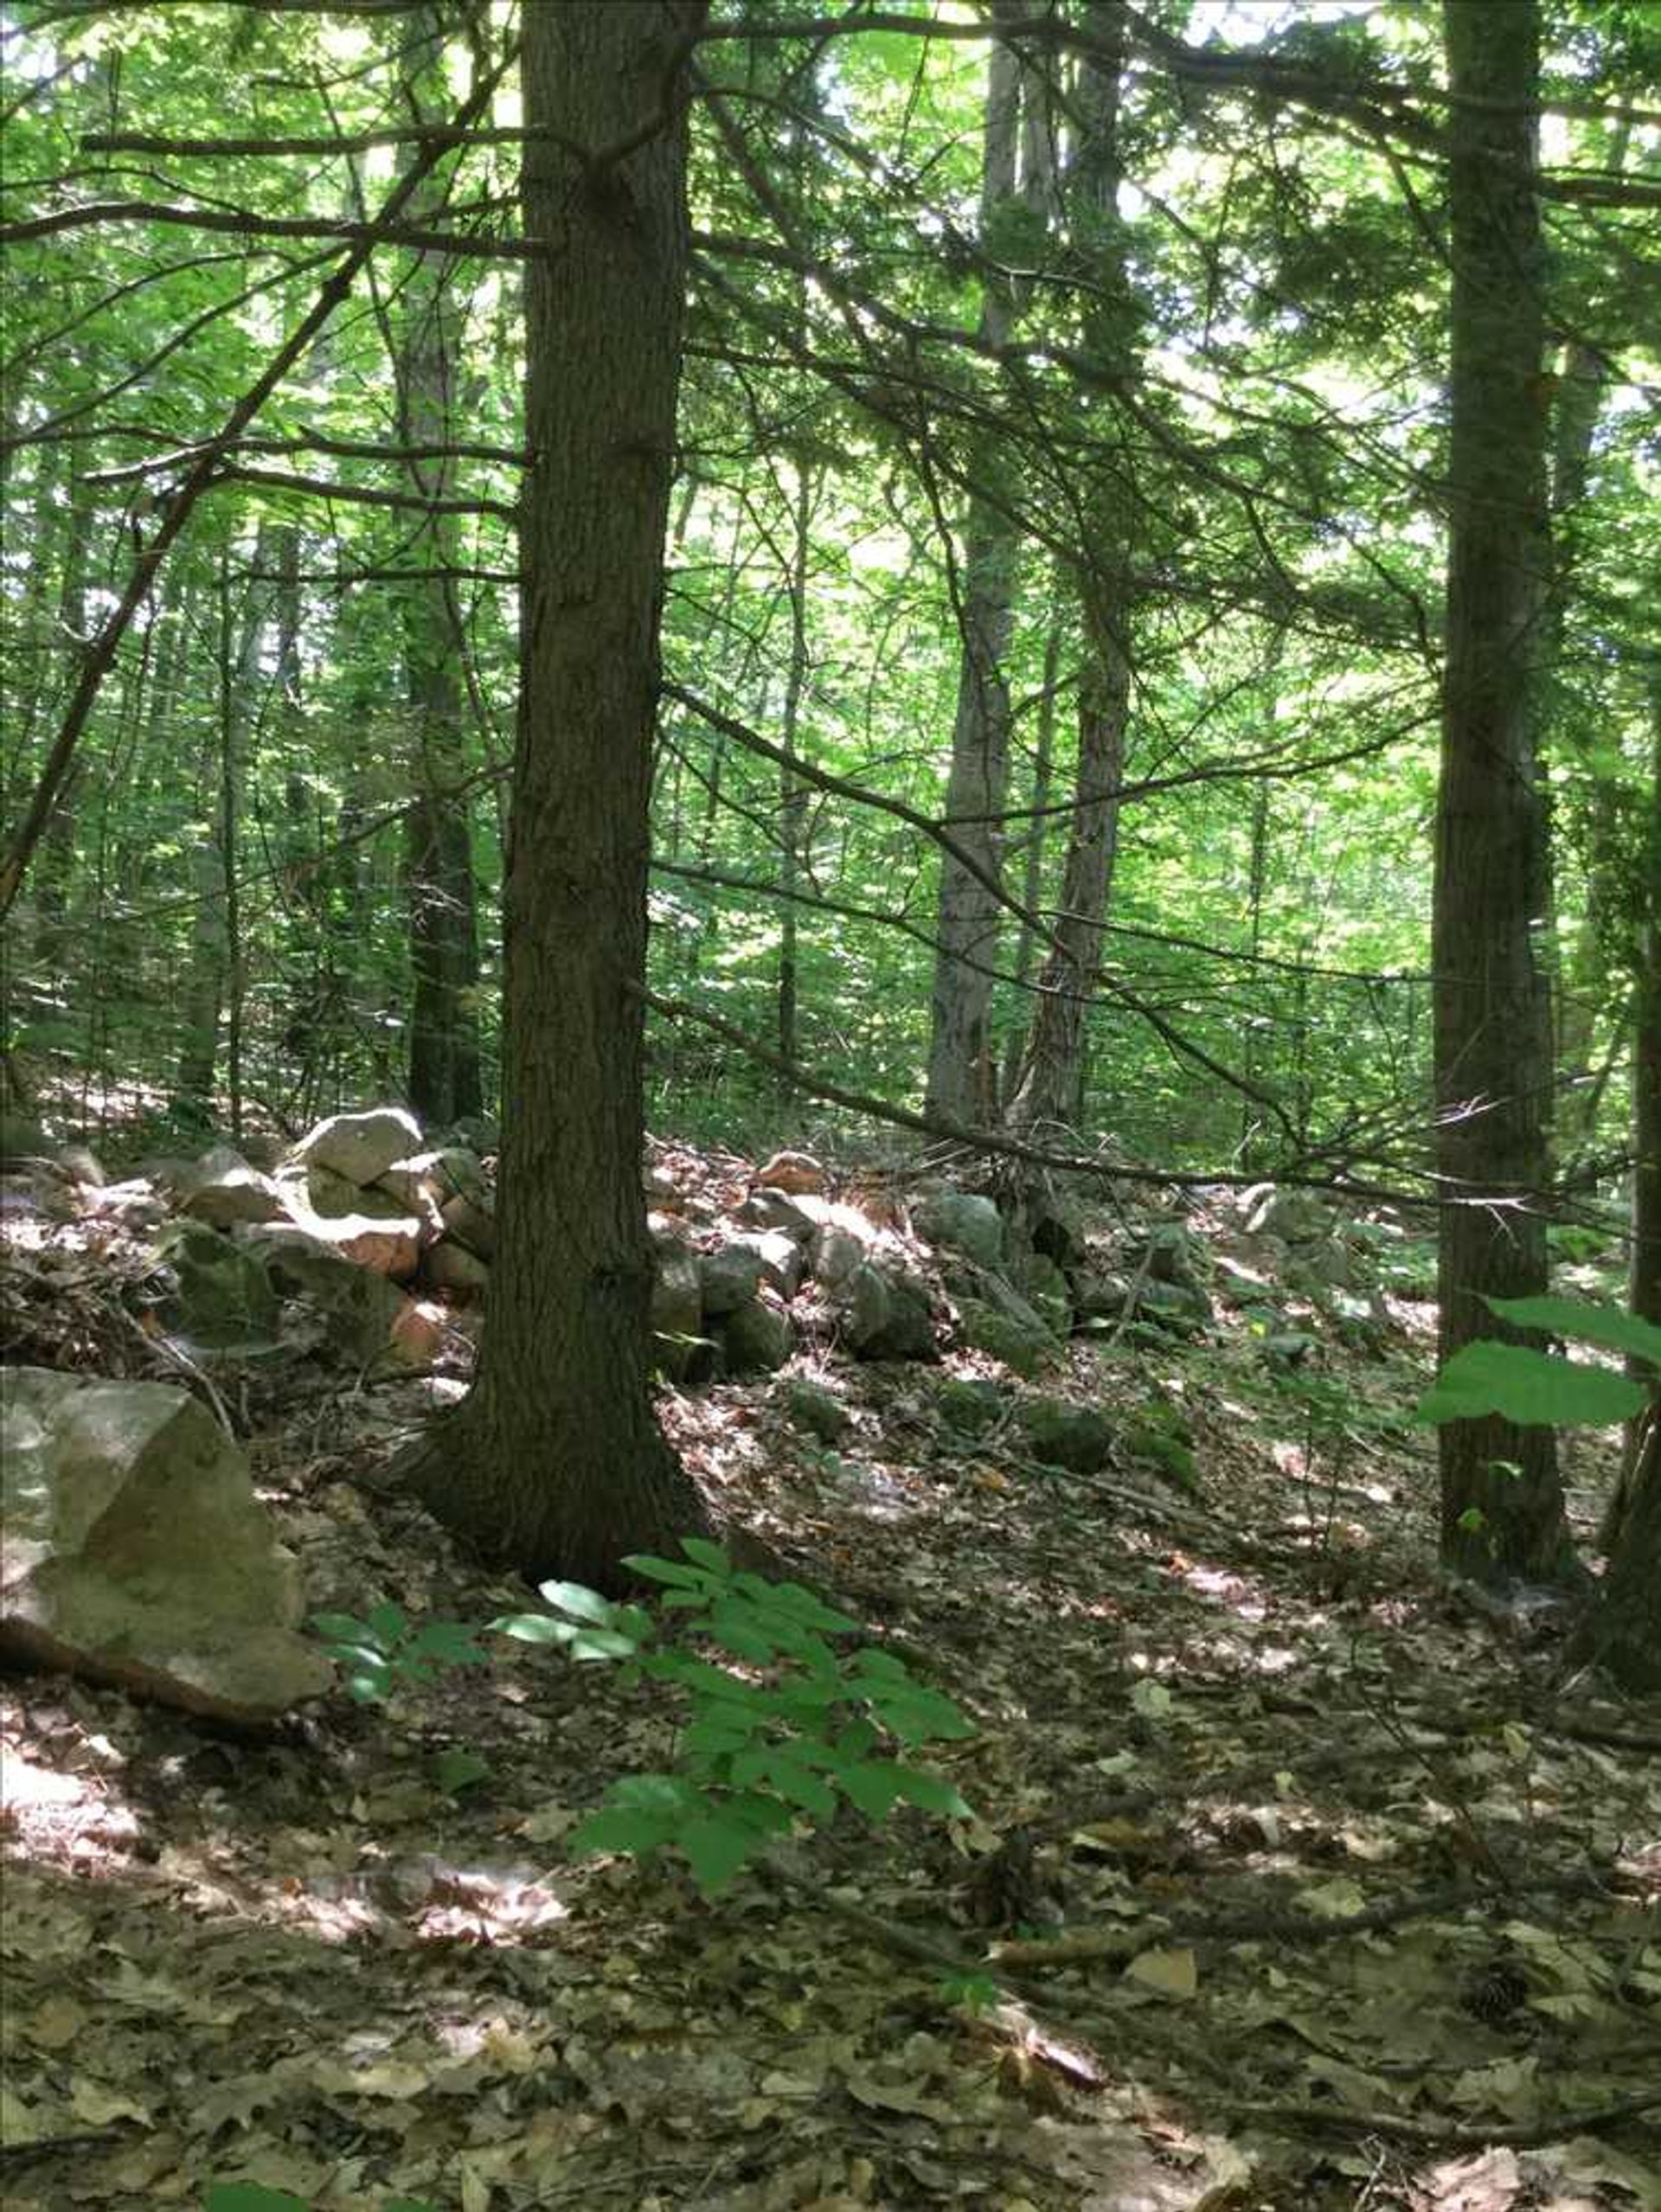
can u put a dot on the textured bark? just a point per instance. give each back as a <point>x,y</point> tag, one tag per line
<point>1622,1632</point>
<point>444,1070</point>
<point>1052,1089</point>
<point>555,1461</point>
<point>967,917</point>
<point>1502,1509</point>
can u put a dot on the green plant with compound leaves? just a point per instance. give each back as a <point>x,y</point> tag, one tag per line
<point>801,1730</point>
<point>386,1650</point>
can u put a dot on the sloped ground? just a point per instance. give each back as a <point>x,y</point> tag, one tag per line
<point>1298,1884</point>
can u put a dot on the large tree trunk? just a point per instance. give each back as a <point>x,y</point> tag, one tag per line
<point>1622,1632</point>
<point>1502,1509</point>
<point>960,1082</point>
<point>1052,1088</point>
<point>555,1461</point>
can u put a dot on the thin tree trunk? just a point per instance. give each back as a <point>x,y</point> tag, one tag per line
<point>1052,1091</point>
<point>1502,1506</point>
<point>443,1059</point>
<point>792,792</point>
<point>960,1079</point>
<point>1032,878</point>
<point>555,1460</point>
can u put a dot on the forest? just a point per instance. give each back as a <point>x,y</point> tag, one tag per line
<point>830,1149</point>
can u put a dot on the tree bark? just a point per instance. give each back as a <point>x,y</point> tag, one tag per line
<point>555,1461</point>
<point>1052,1090</point>
<point>959,1081</point>
<point>444,1070</point>
<point>1502,1508</point>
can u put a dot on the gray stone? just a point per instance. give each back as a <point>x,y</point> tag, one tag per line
<point>1100,1297</point>
<point>370,1319</point>
<point>223,1190</point>
<point>810,1405</point>
<point>477,1133</point>
<point>416,1183</point>
<point>756,1338</point>
<point>361,1146</point>
<point>1074,1437</point>
<point>1175,1307</point>
<point>136,1553</point>
<point>677,1308</point>
<point>959,1220</point>
<point>729,1277</point>
<point>863,1306</point>
<point>783,1264</point>
<point>1046,1290</point>
<point>1329,1262</point>
<point>336,1198</point>
<point>451,1267</point>
<point>81,1165</point>
<point>1173,1256</point>
<point>970,1405</point>
<point>773,1210</point>
<point>1295,1217</point>
<point>1025,1348</point>
<point>462,1173</point>
<point>471,1223</point>
<point>224,1299</point>
<point>836,1256</point>
<point>907,1332</point>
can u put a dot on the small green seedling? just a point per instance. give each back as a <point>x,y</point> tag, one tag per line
<point>801,1728</point>
<point>388,1650</point>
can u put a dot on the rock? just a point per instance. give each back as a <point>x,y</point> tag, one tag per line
<point>812,1407</point>
<point>1173,1256</point>
<point>370,1318</point>
<point>908,1332</point>
<point>1168,1454</point>
<point>137,1554</point>
<point>81,1165</point>
<point>958,1220</point>
<point>771,1210</point>
<point>1023,1348</point>
<point>970,1405</point>
<point>451,1267</point>
<point>794,1173</point>
<point>862,1303</point>
<point>224,1299</point>
<point>223,1189</point>
<point>1295,1217</point>
<point>1059,1232</point>
<point>1175,1307</point>
<point>1328,1263</point>
<point>472,1224</point>
<point>783,1264</point>
<point>334,1198</point>
<point>756,1338</point>
<point>416,1183</point>
<point>1046,1290</point>
<point>729,1278</point>
<point>1100,1297</point>
<point>1074,1437</point>
<point>361,1146</point>
<point>836,1256</point>
<point>462,1173</point>
<point>136,1206</point>
<point>677,1309</point>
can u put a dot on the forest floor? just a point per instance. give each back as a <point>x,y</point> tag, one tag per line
<point>1294,1882</point>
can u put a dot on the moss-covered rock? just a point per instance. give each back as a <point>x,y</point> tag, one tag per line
<point>1077,1438</point>
<point>810,1405</point>
<point>1025,1347</point>
<point>970,1405</point>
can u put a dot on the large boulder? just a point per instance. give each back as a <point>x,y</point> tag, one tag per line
<point>1023,1345</point>
<point>729,1277</point>
<point>361,1146</point>
<point>1295,1217</point>
<point>471,1223</point>
<point>222,1298</point>
<point>370,1319</point>
<point>223,1190</point>
<point>959,1220</point>
<point>794,1173</point>
<point>677,1308</point>
<point>451,1267</point>
<point>885,1315</point>
<point>133,1550</point>
<point>756,1338</point>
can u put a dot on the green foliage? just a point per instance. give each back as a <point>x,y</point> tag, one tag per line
<point>803,1728</point>
<point>1537,1388</point>
<point>388,1650</point>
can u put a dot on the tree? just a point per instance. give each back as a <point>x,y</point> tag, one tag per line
<point>556,1459</point>
<point>1502,1508</point>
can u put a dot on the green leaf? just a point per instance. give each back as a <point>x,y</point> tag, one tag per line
<point>669,1571</point>
<point>930,1794</point>
<point>1606,1326</point>
<point>533,1628</point>
<point>341,1628</point>
<point>1528,1386</point>
<point>601,1643</point>
<point>716,1848</point>
<point>872,1785</point>
<point>386,1622</point>
<point>578,1601</point>
<point>450,1642</point>
<point>704,1554</point>
<point>615,1829</point>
